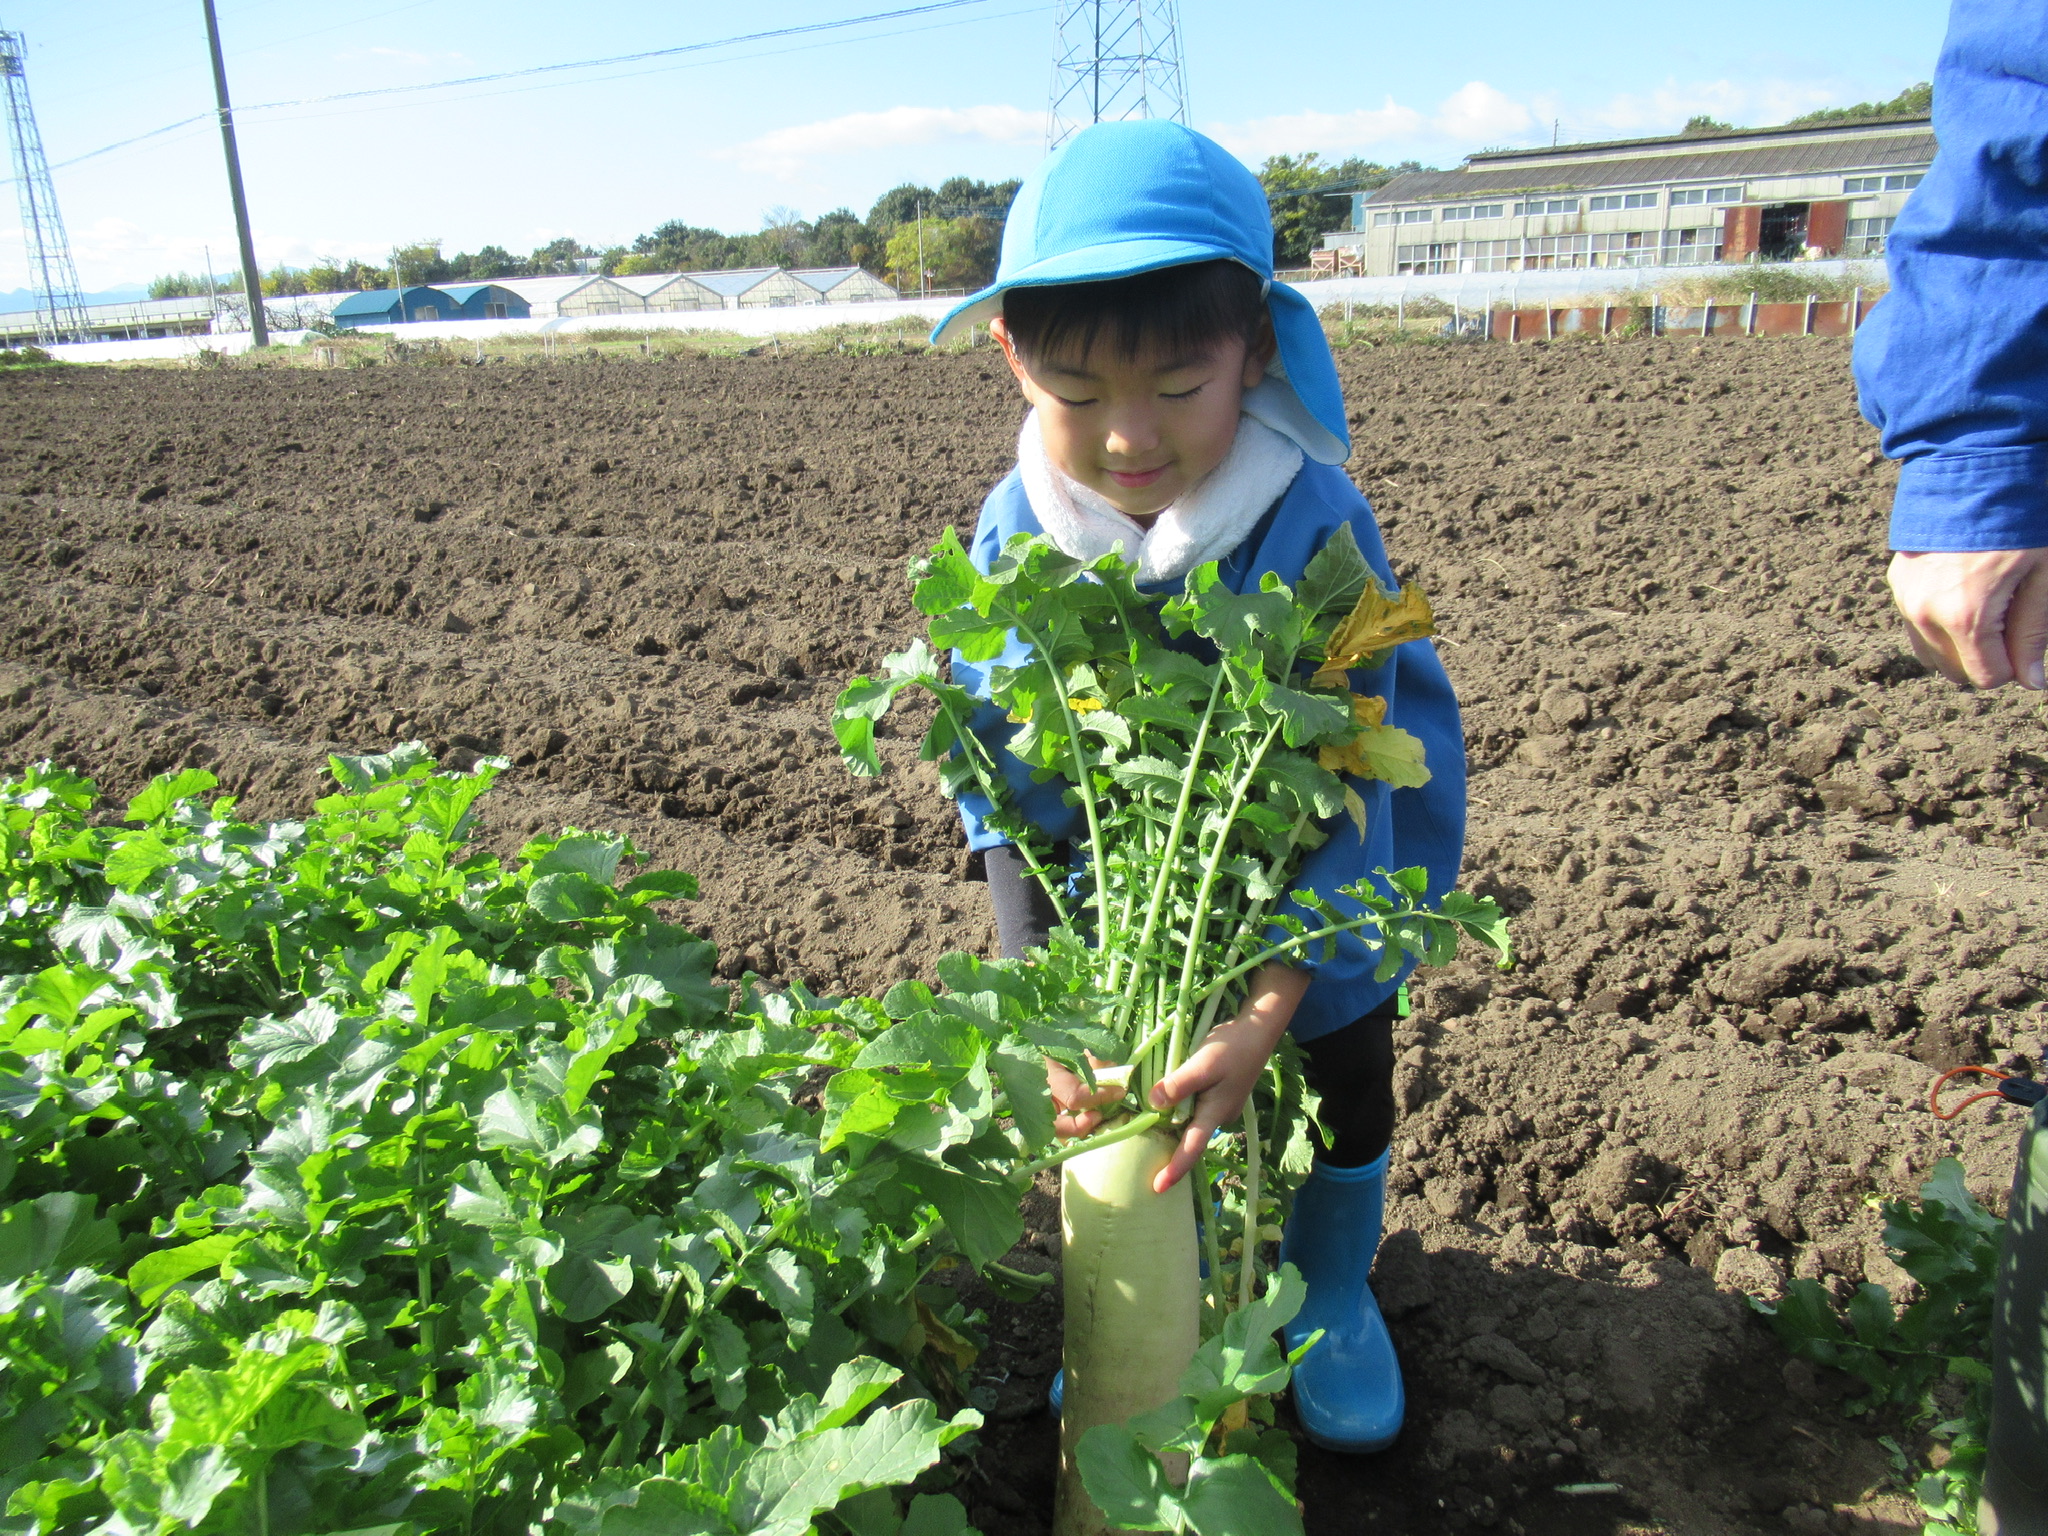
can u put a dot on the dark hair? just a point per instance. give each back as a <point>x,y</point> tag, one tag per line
<point>1179,311</point>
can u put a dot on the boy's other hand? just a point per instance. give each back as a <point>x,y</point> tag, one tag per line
<point>1223,1071</point>
<point>1977,617</point>
<point>1080,1107</point>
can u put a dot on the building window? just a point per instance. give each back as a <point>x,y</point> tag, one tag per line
<point>1547,205</point>
<point>426,312</point>
<point>1609,202</point>
<point>1417,215</point>
<point>1865,237</point>
<point>1381,220</point>
<point>495,312</point>
<point>1706,195</point>
<point>1901,181</point>
<point>1474,211</point>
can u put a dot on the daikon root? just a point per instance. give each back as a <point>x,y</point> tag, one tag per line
<point>1133,1294</point>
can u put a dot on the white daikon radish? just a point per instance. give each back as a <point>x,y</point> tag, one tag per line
<point>1133,1298</point>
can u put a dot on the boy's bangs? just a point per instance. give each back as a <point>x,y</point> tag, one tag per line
<point>1174,312</point>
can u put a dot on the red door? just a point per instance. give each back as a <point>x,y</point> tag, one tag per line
<point>1827,225</point>
<point>1741,232</point>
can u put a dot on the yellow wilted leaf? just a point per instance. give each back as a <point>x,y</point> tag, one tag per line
<point>1378,751</point>
<point>1377,623</point>
<point>1354,806</point>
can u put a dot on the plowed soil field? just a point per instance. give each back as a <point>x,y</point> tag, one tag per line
<point>1769,875</point>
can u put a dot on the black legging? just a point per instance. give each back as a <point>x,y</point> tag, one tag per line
<point>1351,1068</point>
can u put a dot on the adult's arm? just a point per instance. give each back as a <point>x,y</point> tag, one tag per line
<point>1953,365</point>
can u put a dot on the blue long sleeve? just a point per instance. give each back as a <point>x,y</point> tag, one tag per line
<point>1404,827</point>
<point>1953,365</point>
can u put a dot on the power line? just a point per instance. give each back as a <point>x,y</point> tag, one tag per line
<point>627,58</point>
<point>542,69</point>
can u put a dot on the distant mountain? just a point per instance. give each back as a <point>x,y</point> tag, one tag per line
<point>14,300</point>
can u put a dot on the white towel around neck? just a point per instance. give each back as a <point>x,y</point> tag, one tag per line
<point>1206,523</point>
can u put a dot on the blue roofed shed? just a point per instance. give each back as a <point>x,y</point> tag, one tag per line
<point>394,306</point>
<point>485,301</point>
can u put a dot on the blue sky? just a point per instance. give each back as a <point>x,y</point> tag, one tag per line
<point>810,123</point>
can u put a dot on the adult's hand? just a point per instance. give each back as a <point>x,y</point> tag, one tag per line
<point>1978,617</point>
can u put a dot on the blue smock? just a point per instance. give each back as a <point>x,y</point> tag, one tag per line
<point>1404,827</point>
<point>1953,364</point>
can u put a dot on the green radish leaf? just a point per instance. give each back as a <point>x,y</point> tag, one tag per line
<point>167,790</point>
<point>304,1416</point>
<point>855,1384</point>
<point>155,1273</point>
<point>980,1213</point>
<point>593,855</point>
<point>781,1490</point>
<point>1235,1496</point>
<point>937,1514</point>
<point>1126,1481</point>
<point>585,1288</point>
<point>1310,788</point>
<point>136,857</point>
<point>1304,716</point>
<point>779,1278</point>
<point>53,1235</point>
<point>1026,1093</point>
<point>1335,575</point>
<point>568,897</point>
<point>725,1361</point>
<point>664,1507</point>
<point>661,885</point>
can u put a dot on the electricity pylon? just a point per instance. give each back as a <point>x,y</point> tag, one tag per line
<point>60,309</point>
<point>1114,59</point>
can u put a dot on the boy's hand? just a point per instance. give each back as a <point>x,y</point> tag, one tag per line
<point>1223,1072</point>
<point>1080,1107</point>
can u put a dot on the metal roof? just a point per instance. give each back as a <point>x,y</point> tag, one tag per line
<point>1649,162</point>
<point>736,281</point>
<point>381,301</point>
<point>462,293</point>
<point>127,312</point>
<point>824,279</point>
<point>549,290</point>
<point>648,284</point>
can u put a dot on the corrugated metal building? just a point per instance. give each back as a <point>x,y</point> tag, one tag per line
<point>1773,194</point>
<point>394,306</point>
<point>485,301</point>
<point>845,285</point>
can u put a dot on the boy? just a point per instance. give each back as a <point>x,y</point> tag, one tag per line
<point>1184,407</point>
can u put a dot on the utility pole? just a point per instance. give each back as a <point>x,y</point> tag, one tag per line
<point>252,280</point>
<point>924,286</point>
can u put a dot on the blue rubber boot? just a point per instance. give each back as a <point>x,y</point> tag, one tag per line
<point>1347,1391</point>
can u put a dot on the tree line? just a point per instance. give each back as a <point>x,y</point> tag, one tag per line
<point>943,237</point>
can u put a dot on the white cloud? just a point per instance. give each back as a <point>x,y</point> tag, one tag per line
<point>1478,115</point>
<point>783,152</point>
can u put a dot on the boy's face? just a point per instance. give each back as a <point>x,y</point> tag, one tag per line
<point>1138,432</point>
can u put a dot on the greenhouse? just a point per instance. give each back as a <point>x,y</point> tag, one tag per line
<point>553,298</point>
<point>671,292</point>
<point>757,287</point>
<point>845,285</point>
